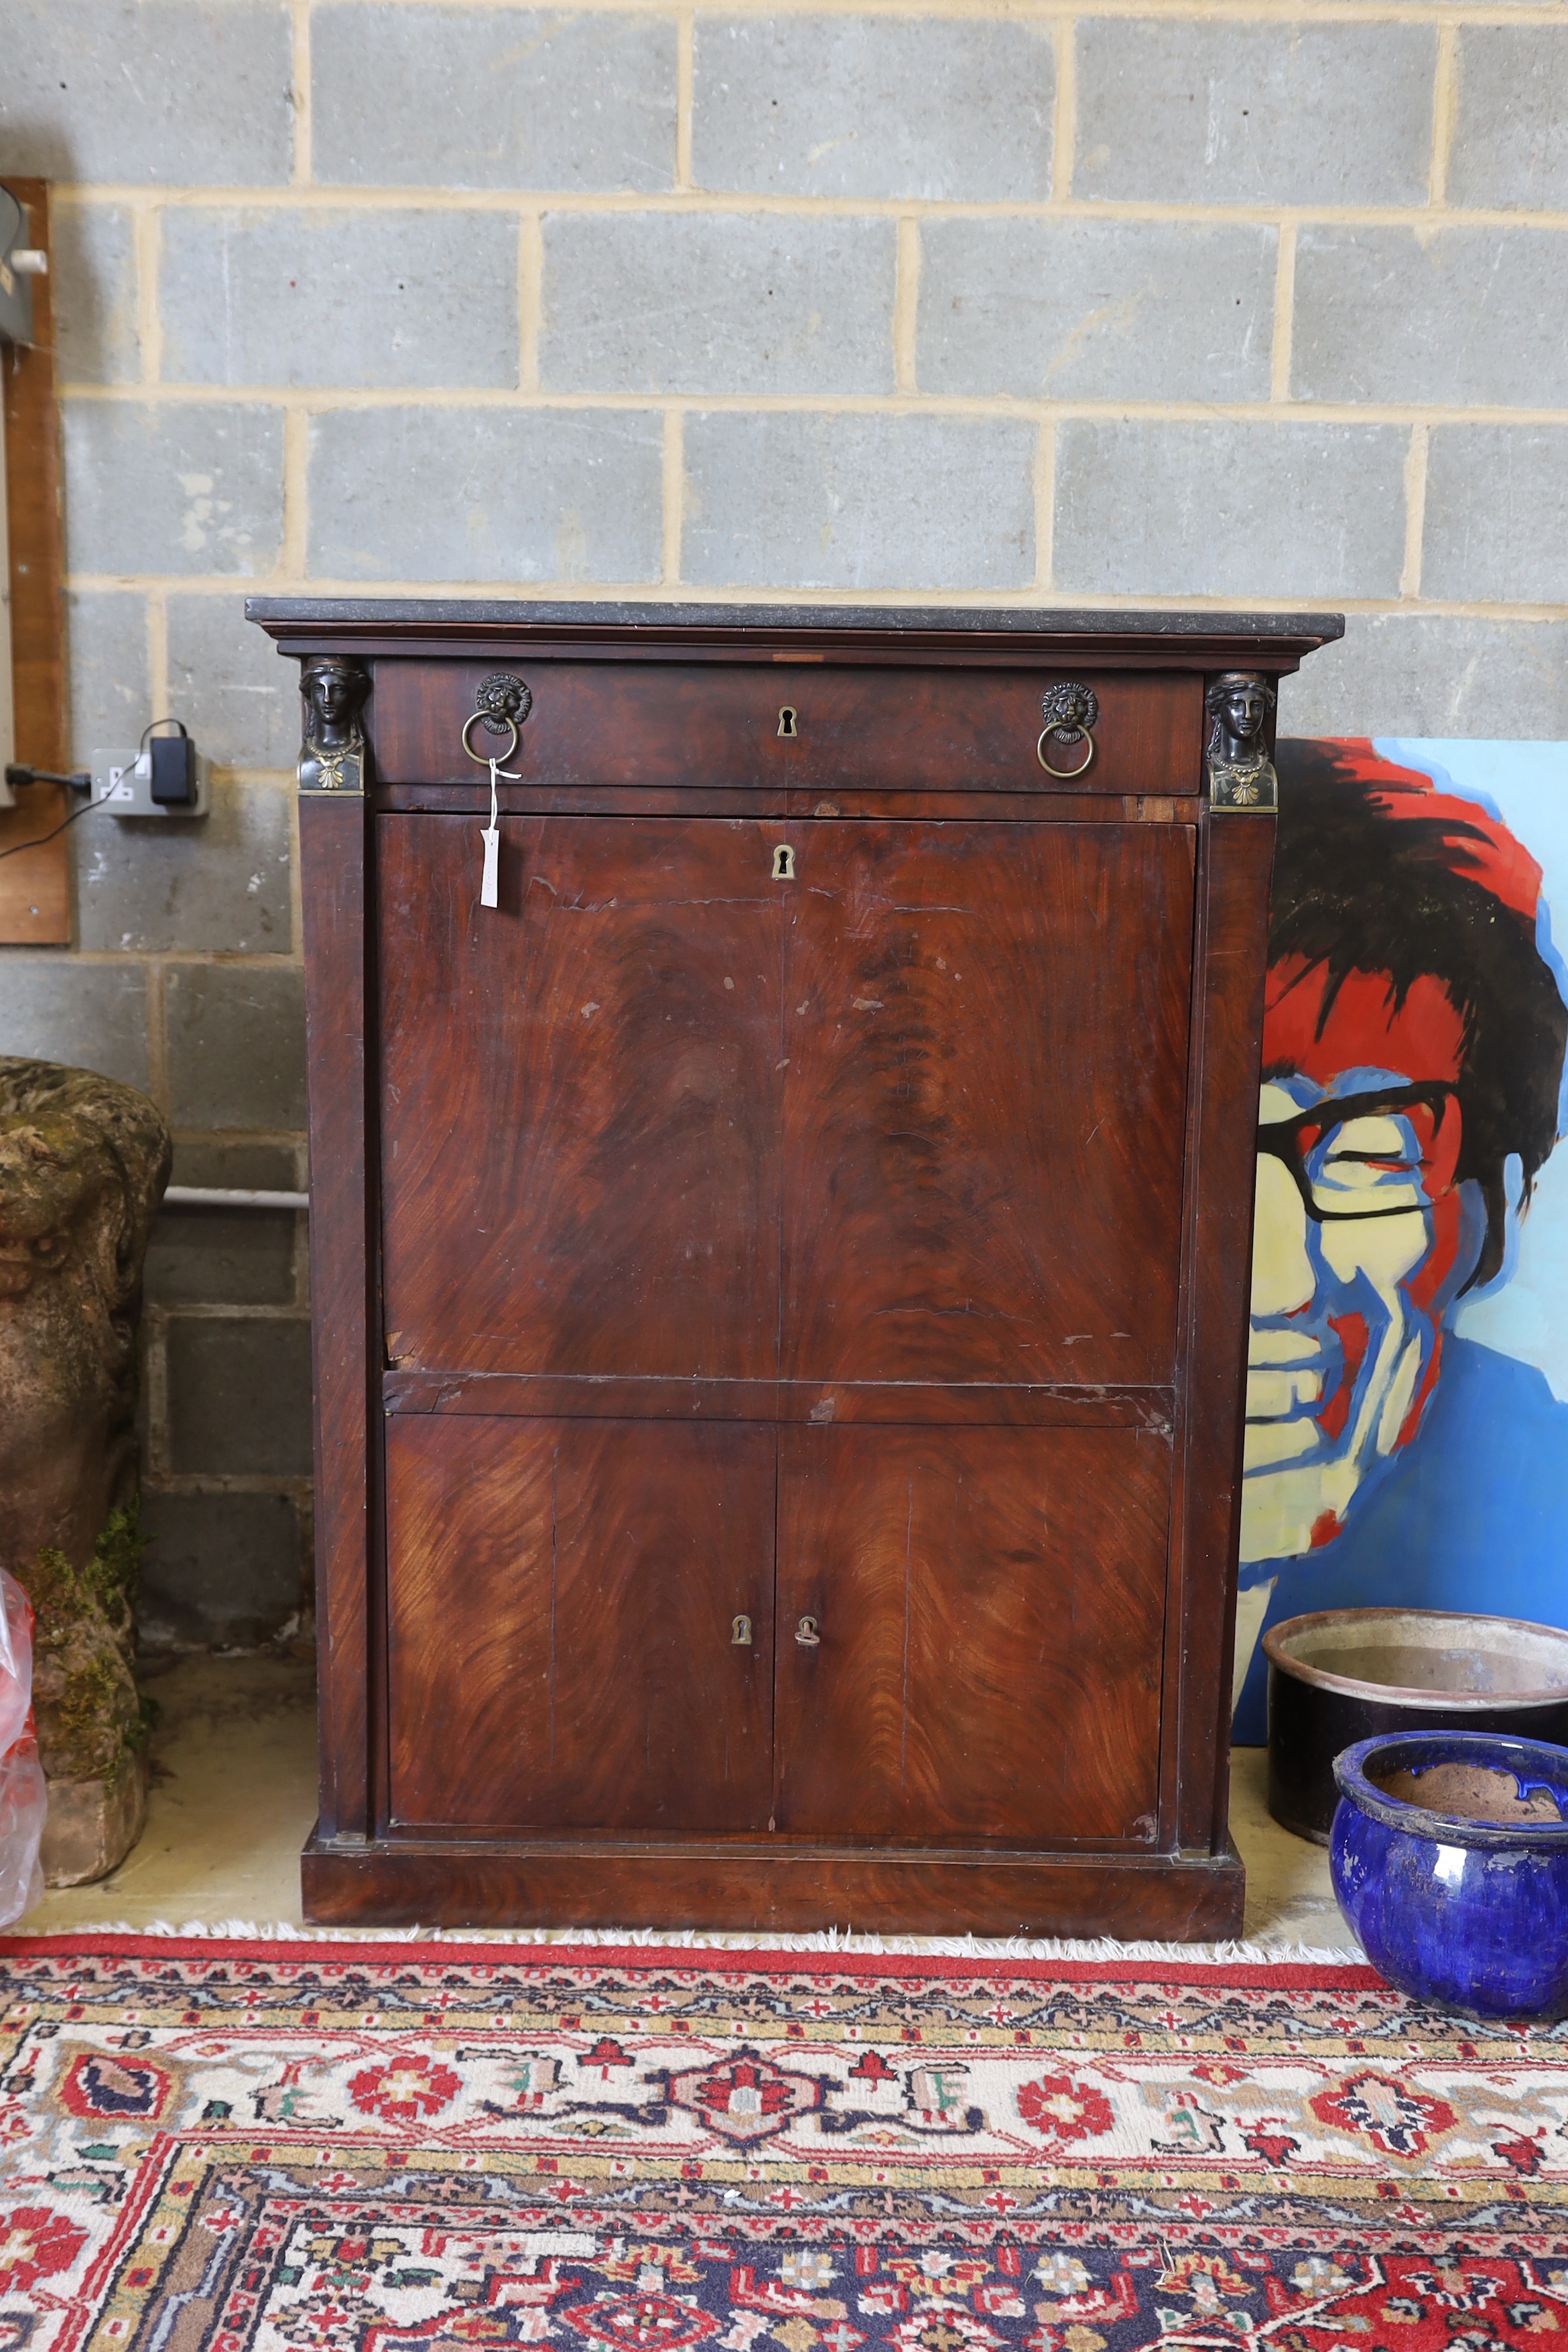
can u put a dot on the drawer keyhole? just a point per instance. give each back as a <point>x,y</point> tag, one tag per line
<point>786,723</point>
<point>784,863</point>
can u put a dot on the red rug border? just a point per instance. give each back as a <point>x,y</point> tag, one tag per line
<point>1287,1976</point>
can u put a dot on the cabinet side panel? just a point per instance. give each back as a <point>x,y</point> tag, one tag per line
<point>561,1637</point>
<point>346,1356</point>
<point>1232,954</point>
<point>988,1613</point>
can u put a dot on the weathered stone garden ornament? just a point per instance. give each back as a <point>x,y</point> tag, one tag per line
<point>83,1163</point>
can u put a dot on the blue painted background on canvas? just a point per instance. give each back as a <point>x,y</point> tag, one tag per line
<point>1408,1385</point>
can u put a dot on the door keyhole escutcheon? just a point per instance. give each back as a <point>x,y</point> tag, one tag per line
<point>806,1634</point>
<point>784,863</point>
<point>786,723</point>
<point>740,1632</point>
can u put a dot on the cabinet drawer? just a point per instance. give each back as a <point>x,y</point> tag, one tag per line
<point>667,725</point>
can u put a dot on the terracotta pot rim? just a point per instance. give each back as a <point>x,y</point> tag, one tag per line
<point>1404,1695</point>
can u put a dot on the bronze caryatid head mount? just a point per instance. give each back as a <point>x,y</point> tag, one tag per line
<point>334,691</point>
<point>332,751</point>
<point>1240,772</point>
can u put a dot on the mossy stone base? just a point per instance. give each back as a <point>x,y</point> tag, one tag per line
<point>92,1722</point>
<point>92,1826</point>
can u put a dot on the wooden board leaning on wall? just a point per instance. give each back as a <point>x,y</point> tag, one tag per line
<point>35,888</point>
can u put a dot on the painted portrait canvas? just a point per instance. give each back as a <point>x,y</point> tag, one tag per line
<point>1406,1436</point>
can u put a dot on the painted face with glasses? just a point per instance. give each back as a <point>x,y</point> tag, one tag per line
<point>1363,1236</point>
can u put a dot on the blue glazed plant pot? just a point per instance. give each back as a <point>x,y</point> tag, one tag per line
<point>1444,1901</point>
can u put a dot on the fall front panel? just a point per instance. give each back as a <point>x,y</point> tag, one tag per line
<point>563,1598</point>
<point>870,1101</point>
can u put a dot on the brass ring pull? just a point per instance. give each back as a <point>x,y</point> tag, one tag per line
<point>482,759</point>
<point>1083,766</point>
<point>806,1634</point>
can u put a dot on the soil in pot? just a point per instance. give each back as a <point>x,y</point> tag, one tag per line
<point>1468,1792</point>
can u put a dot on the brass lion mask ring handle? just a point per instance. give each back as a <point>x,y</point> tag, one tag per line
<point>1069,711</point>
<point>482,759</point>
<point>501,703</point>
<point>1056,734</point>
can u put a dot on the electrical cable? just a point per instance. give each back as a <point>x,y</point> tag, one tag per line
<point>17,849</point>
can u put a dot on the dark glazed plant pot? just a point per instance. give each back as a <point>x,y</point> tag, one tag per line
<point>1346,1674</point>
<point>1470,1911</point>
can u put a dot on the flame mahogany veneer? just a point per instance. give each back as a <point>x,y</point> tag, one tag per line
<point>779,1338</point>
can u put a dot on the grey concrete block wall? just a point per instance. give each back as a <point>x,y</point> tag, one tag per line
<point>1497,513</point>
<point>1293,507</point>
<point>1097,309</point>
<point>223,1567</point>
<point>1460,317</point>
<point>97,292</point>
<point>1183,110</point>
<point>1442,674</point>
<point>165,93</point>
<point>223,679</point>
<point>824,105</point>
<point>405,96</point>
<point>235,1042</point>
<point>92,1014</point>
<point>107,630</point>
<point>946,302</point>
<point>717,303</point>
<point>1510,144</point>
<point>235,1258</point>
<point>486,494</point>
<point>308,296</point>
<point>175,490</point>
<point>145,883</point>
<point>239,1393</point>
<point>859,502</point>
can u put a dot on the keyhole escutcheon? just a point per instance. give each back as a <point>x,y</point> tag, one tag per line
<point>786,723</point>
<point>784,863</point>
<point>740,1632</point>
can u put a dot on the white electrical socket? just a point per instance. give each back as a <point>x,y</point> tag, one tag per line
<point>123,781</point>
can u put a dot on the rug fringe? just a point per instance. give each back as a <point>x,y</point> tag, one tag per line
<point>830,1939</point>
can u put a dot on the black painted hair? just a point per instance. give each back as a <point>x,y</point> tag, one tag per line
<point>1359,888</point>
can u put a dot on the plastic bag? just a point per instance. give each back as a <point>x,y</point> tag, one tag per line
<point>24,1795</point>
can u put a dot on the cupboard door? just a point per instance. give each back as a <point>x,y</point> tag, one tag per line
<point>562,1598</point>
<point>985,1102</point>
<point>989,1607</point>
<point>580,1097</point>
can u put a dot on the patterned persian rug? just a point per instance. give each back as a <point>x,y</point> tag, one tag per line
<point>428,2148</point>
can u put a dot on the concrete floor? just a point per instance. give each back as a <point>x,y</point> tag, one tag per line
<point>234,1797</point>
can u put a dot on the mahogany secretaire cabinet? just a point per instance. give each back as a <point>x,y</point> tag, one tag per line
<point>780,1224</point>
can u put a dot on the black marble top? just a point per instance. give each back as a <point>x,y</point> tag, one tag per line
<point>282,615</point>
